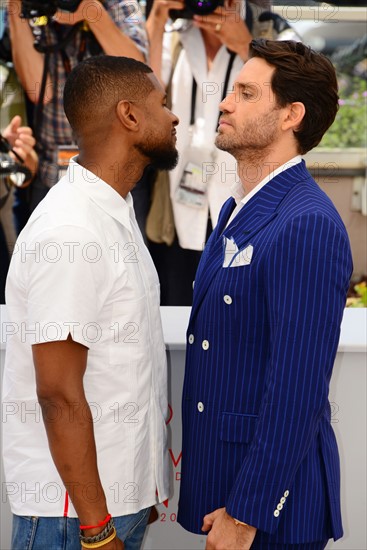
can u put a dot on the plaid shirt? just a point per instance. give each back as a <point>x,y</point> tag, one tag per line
<point>55,129</point>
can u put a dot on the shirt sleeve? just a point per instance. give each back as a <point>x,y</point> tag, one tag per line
<point>65,280</point>
<point>128,17</point>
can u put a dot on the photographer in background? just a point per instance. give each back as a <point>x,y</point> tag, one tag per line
<point>21,155</point>
<point>207,52</point>
<point>111,27</point>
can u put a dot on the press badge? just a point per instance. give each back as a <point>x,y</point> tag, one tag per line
<point>191,190</point>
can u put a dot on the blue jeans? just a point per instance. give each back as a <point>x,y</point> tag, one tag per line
<point>40,533</point>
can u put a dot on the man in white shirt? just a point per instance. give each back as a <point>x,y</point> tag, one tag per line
<point>85,350</point>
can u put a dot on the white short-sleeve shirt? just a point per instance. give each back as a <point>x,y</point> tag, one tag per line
<point>80,266</point>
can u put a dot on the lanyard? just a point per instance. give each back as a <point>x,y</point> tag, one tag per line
<point>194,89</point>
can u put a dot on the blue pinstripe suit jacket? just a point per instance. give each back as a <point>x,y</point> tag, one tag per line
<point>261,343</point>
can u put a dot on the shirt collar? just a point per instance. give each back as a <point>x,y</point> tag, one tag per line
<point>101,193</point>
<point>238,191</point>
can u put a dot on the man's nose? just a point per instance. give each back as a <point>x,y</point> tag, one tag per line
<point>227,103</point>
<point>175,120</point>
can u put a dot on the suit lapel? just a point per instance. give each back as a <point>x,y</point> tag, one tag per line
<point>256,214</point>
<point>211,259</point>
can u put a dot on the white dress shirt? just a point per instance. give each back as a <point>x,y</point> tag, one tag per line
<point>238,190</point>
<point>80,266</point>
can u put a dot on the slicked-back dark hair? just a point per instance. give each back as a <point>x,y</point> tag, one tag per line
<point>96,85</point>
<point>303,75</point>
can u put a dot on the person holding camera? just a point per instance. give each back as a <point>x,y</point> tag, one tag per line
<point>114,27</point>
<point>208,50</point>
<point>18,167</point>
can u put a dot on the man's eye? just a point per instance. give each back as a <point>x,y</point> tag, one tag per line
<point>246,95</point>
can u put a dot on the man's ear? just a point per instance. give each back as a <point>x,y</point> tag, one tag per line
<point>128,115</point>
<point>294,116</point>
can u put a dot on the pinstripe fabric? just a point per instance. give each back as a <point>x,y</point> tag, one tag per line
<point>261,543</point>
<point>263,440</point>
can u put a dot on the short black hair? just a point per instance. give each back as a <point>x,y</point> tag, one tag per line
<point>95,86</point>
<point>303,75</point>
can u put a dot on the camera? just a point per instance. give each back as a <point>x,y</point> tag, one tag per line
<point>195,7</point>
<point>9,167</point>
<point>40,8</point>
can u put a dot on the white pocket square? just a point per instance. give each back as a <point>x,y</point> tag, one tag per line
<point>234,257</point>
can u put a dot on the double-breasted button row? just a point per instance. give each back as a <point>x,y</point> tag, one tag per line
<point>280,504</point>
<point>204,343</point>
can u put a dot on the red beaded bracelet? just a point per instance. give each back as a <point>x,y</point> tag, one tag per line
<point>100,523</point>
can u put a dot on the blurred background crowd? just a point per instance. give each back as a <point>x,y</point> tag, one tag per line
<point>196,48</point>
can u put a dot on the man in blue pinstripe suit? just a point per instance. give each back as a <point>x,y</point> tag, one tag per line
<point>260,465</point>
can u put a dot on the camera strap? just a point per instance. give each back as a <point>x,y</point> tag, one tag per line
<point>48,50</point>
<point>82,47</point>
<point>224,92</point>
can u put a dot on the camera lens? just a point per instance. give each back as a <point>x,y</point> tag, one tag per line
<point>195,7</point>
<point>203,7</point>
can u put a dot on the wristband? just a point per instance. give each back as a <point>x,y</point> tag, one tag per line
<point>101,543</point>
<point>105,533</point>
<point>99,524</point>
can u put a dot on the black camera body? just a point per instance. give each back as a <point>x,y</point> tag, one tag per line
<point>195,7</point>
<point>40,8</point>
<point>9,166</point>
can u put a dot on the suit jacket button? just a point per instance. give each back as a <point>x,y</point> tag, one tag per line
<point>280,507</point>
<point>282,500</point>
<point>193,285</point>
<point>191,339</point>
<point>286,493</point>
<point>276,513</point>
<point>205,345</point>
<point>227,299</point>
<point>200,407</point>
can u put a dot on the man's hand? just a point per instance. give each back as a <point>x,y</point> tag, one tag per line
<point>225,534</point>
<point>160,13</point>
<point>88,10</point>
<point>22,141</point>
<point>228,25</point>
